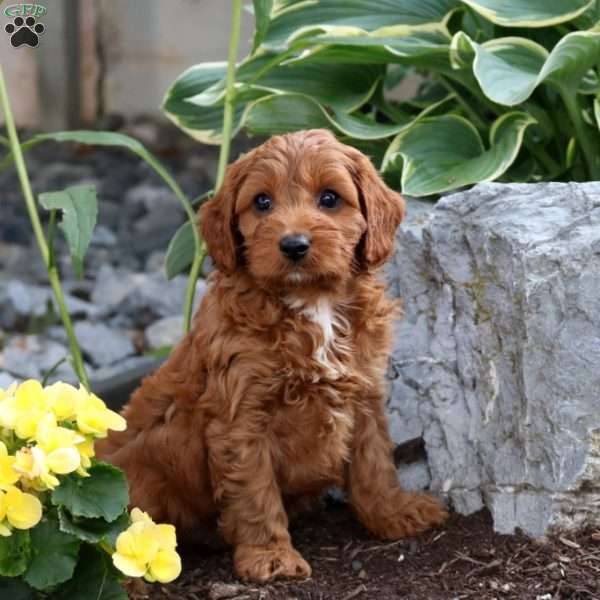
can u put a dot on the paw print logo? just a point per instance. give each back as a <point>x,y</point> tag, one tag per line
<point>24,31</point>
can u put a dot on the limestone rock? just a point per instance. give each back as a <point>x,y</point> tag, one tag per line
<point>497,359</point>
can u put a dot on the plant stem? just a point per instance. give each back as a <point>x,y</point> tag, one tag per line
<point>234,40</point>
<point>39,234</point>
<point>590,150</point>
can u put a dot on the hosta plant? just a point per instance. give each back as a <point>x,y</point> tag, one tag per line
<point>509,90</point>
<point>65,532</point>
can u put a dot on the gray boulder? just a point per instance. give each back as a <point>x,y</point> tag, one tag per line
<point>497,359</point>
<point>164,332</point>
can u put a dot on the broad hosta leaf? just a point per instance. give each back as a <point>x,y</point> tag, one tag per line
<point>92,530</point>
<point>529,13</point>
<point>291,112</point>
<point>342,87</point>
<point>12,588</point>
<point>54,555</point>
<point>369,15</point>
<point>15,552</point>
<point>509,69</point>
<point>79,209</point>
<point>103,494</point>
<point>94,579</point>
<point>445,153</point>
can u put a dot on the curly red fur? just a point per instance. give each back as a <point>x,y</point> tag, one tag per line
<point>278,391</point>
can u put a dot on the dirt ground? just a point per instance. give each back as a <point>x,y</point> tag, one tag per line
<point>464,559</point>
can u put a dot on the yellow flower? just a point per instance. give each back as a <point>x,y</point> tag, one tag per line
<point>63,399</point>
<point>86,451</point>
<point>33,465</point>
<point>59,444</point>
<point>147,550</point>
<point>21,510</point>
<point>9,392</point>
<point>23,410</point>
<point>93,417</point>
<point>8,475</point>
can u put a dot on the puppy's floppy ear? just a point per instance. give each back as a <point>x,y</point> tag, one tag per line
<point>382,207</point>
<point>217,220</point>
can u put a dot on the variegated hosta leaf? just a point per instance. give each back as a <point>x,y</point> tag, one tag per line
<point>292,19</point>
<point>195,101</point>
<point>446,153</point>
<point>262,18</point>
<point>419,49</point>
<point>509,69</point>
<point>529,13</point>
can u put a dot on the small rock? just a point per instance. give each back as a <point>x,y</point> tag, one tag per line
<point>101,344</point>
<point>103,236</point>
<point>6,380</point>
<point>153,197</point>
<point>156,261</point>
<point>223,591</point>
<point>55,176</point>
<point>32,356</point>
<point>20,301</point>
<point>356,565</point>
<point>362,574</point>
<point>164,332</point>
<point>103,374</point>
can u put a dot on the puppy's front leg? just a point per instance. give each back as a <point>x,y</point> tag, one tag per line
<point>252,517</point>
<point>375,494</point>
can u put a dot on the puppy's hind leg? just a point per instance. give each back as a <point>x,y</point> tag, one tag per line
<point>375,494</point>
<point>252,516</point>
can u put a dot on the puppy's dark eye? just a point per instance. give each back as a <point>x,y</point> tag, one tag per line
<point>329,199</point>
<point>263,203</point>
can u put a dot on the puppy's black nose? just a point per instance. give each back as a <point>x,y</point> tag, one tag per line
<point>295,247</point>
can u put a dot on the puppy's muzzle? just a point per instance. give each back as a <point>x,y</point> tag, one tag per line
<point>294,247</point>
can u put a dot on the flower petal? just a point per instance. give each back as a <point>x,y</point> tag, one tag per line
<point>166,566</point>
<point>129,566</point>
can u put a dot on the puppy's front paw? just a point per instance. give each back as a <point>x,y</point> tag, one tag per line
<point>263,563</point>
<point>409,515</point>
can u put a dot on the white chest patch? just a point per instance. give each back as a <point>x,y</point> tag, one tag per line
<point>334,327</point>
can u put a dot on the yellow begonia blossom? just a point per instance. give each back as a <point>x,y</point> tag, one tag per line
<point>21,510</point>
<point>86,451</point>
<point>8,475</point>
<point>93,417</point>
<point>32,464</point>
<point>63,399</point>
<point>147,550</point>
<point>22,411</point>
<point>59,444</point>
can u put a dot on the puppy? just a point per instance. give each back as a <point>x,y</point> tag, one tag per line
<point>278,391</point>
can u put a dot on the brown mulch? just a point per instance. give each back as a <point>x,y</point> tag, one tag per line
<point>463,560</point>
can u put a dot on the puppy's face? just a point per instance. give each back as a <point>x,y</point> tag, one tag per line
<point>301,210</point>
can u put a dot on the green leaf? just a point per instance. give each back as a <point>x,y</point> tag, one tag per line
<point>15,552</point>
<point>292,112</point>
<point>509,69</point>
<point>92,530</point>
<point>94,579</point>
<point>368,15</point>
<point>262,17</point>
<point>79,209</point>
<point>529,13</point>
<point>200,113</point>
<point>54,555</point>
<point>181,251</point>
<point>446,153</point>
<point>103,494</point>
<point>12,588</point>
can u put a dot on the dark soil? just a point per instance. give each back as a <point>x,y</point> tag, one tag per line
<point>463,560</point>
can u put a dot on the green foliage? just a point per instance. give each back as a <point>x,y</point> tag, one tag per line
<point>79,209</point>
<point>511,88</point>
<point>94,579</point>
<point>15,552</point>
<point>92,530</point>
<point>104,494</point>
<point>54,555</point>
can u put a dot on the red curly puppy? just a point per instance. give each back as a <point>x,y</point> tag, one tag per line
<point>277,393</point>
